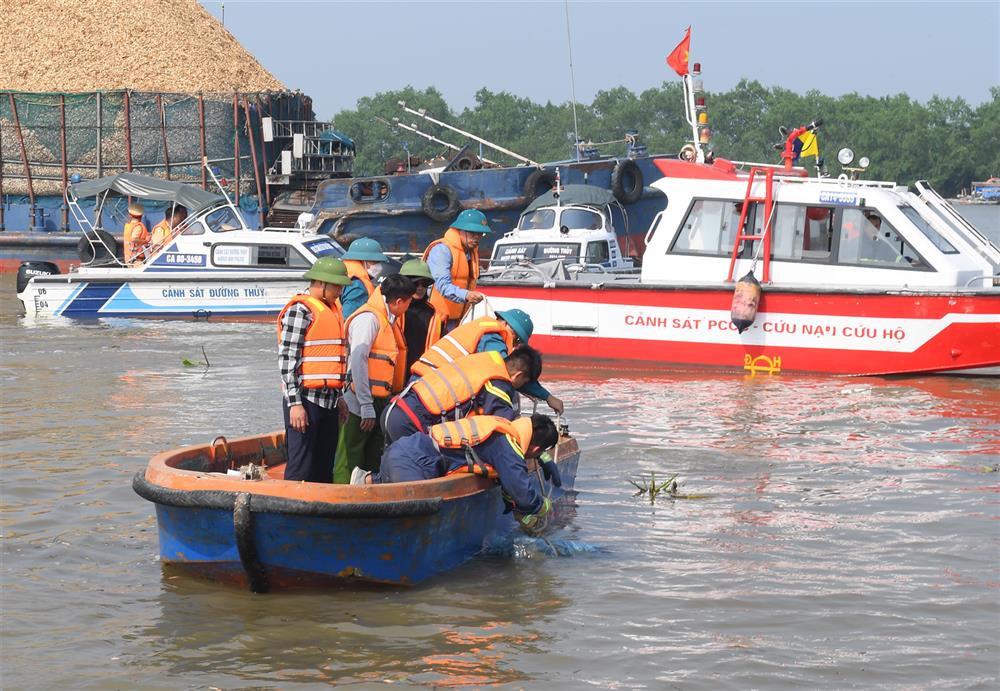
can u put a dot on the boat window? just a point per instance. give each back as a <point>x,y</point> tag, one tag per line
<point>223,220</point>
<point>535,252</point>
<point>580,218</point>
<point>195,227</point>
<point>710,228</point>
<point>370,191</point>
<point>537,219</point>
<point>924,227</point>
<point>799,232</point>
<point>867,239</point>
<point>598,252</point>
<point>269,256</point>
<point>322,248</point>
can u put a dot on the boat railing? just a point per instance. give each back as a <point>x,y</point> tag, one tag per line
<point>968,232</point>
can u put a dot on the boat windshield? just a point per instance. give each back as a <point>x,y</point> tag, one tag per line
<point>868,239</point>
<point>223,220</point>
<point>323,248</point>
<point>580,218</point>
<point>924,227</point>
<point>534,252</point>
<point>538,219</point>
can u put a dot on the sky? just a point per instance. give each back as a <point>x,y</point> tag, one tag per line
<point>337,52</point>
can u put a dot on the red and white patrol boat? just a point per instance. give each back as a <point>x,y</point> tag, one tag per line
<point>859,277</point>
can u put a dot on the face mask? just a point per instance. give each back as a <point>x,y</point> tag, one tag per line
<point>375,271</point>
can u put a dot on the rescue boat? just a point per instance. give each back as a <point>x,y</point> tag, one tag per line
<point>224,512</point>
<point>859,277</point>
<point>212,264</point>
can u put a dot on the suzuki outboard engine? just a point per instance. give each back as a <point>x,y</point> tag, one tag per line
<point>28,270</point>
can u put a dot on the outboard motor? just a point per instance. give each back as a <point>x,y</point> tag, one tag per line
<point>98,248</point>
<point>28,270</point>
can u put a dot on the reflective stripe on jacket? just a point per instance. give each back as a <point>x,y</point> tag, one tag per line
<point>462,341</point>
<point>387,358</point>
<point>464,273</point>
<point>446,388</point>
<point>324,350</point>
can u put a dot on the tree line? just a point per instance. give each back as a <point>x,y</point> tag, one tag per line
<point>946,141</point>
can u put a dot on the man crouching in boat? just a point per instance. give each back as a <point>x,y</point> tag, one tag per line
<point>312,360</point>
<point>486,445</point>
<point>480,384</point>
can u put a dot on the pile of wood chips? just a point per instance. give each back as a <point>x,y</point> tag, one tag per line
<point>148,45</point>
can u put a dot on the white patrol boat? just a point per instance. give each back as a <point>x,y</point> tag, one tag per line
<point>859,277</point>
<point>572,224</point>
<point>211,264</point>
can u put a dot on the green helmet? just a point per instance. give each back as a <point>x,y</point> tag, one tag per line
<point>416,268</point>
<point>328,270</point>
<point>365,249</point>
<point>472,221</point>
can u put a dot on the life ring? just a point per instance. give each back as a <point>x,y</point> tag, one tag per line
<point>538,183</point>
<point>626,181</point>
<point>440,203</point>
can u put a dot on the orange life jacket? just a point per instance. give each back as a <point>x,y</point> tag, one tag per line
<point>136,238</point>
<point>476,429</point>
<point>464,273</point>
<point>461,341</point>
<point>160,235</point>
<point>355,269</point>
<point>387,358</point>
<point>324,350</point>
<point>444,389</point>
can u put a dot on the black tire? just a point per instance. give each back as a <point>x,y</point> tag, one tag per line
<point>538,183</point>
<point>626,181</point>
<point>93,249</point>
<point>28,270</point>
<point>440,203</point>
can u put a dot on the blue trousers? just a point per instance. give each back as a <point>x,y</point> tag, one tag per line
<point>310,453</point>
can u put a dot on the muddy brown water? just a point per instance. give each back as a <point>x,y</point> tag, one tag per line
<point>848,535</point>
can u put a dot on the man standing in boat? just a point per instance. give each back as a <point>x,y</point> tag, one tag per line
<point>376,370</point>
<point>363,260</point>
<point>482,444</point>
<point>312,360</point>
<point>135,235</point>
<point>454,263</point>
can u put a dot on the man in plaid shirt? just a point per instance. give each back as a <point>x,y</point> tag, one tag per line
<point>312,360</point>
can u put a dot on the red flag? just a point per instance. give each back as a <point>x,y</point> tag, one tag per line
<point>678,58</point>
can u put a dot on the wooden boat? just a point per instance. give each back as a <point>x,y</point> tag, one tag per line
<point>224,512</point>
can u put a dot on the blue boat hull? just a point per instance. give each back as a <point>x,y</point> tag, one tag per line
<point>292,548</point>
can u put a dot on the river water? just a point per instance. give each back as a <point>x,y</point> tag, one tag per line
<point>838,533</point>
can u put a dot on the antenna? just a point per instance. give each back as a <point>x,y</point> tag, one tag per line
<point>572,84</point>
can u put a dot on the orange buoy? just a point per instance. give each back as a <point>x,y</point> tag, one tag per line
<point>746,297</point>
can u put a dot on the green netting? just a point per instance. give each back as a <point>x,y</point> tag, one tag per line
<point>162,128</point>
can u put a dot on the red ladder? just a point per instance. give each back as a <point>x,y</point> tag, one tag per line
<point>765,235</point>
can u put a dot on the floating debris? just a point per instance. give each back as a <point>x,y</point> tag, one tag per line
<point>670,488</point>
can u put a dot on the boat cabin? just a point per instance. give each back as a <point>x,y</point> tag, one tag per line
<point>825,232</point>
<point>573,226</point>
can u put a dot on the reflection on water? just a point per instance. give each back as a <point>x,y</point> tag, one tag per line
<point>847,535</point>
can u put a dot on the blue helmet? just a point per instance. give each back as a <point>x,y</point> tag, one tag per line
<point>519,321</point>
<point>365,249</point>
<point>473,221</point>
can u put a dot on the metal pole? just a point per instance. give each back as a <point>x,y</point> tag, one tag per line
<point>2,201</point>
<point>236,147</point>
<point>128,133</point>
<point>24,159</point>
<point>62,142</point>
<point>490,144</point>
<point>266,152</point>
<point>163,131</point>
<point>201,130</point>
<point>100,136</point>
<point>572,82</point>
<point>253,158</point>
<point>417,132</point>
